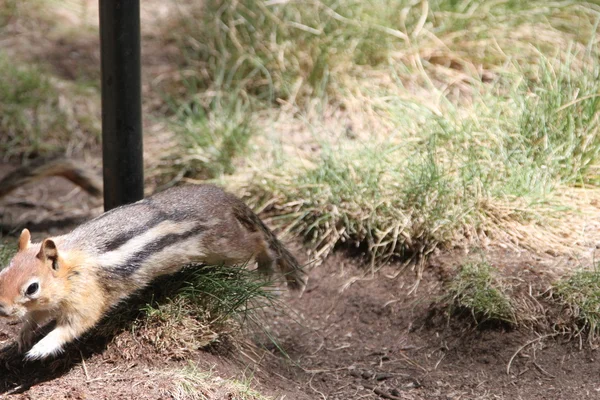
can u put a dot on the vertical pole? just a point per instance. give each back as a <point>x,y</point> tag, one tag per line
<point>122,158</point>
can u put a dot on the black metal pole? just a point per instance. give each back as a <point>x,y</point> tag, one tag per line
<point>122,158</point>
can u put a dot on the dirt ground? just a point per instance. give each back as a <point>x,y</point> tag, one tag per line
<point>351,335</point>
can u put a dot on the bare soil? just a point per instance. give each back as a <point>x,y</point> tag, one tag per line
<point>352,335</point>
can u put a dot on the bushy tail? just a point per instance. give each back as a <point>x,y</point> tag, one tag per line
<point>69,169</point>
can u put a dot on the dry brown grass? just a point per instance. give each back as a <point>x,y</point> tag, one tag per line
<point>193,383</point>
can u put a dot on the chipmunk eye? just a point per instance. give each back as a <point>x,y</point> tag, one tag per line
<point>32,289</point>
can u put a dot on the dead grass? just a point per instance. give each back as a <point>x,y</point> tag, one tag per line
<point>194,309</point>
<point>193,383</point>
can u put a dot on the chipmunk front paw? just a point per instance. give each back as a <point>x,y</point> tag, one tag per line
<point>44,348</point>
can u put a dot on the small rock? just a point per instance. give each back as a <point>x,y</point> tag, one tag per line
<point>383,376</point>
<point>367,375</point>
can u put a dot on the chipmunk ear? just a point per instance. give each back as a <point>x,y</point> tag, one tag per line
<point>48,251</point>
<point>24,239</point>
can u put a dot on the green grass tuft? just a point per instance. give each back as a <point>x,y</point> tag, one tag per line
<point>36,120</point>
<point>393,200</point>
<point>437,179</point>
<point>213,136</point>
<point>220,292</point>
<point>28,107</point>
<point>288,50</point>
<point>195,308</point>
<point>477,291</point>
<point>7,251</point>
<point>579,294</point>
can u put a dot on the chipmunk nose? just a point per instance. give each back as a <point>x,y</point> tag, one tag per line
<point>4,312</point>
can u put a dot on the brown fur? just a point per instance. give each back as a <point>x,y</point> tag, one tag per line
<point>286,263</point>
<point>71,293</point>
<point>76,278</point>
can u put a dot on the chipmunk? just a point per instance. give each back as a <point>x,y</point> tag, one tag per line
<point>78,277</point>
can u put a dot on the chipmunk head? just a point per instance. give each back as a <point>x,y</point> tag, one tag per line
<point>32,279</point>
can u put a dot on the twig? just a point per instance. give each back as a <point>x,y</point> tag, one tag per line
<point>16,389</point>
<point>524,346</point>
<point>381,393</point>
<point>569,104</point>
<point>543,371</point>
<point>413,363</point>
<point>87,376</point>
<point>310,385</point>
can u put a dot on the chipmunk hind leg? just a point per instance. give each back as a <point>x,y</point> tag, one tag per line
<point>294,274</point>
<point>237,248</point>
<point>266,262</point>
<point>275,256</point>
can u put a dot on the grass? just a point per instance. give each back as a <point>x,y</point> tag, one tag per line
<point>28,109</point>
<point>579,295</point>
<point>195,308</point>
<point>403,128</point>
<point>7,250</point>
<point>193,383</point>
<point>297,51</point>
<point>214,136</point>
<point>477,291</point>
<point>36,120</point>
<point>433,182</point>
<point>559,125</point>
<point>289,50</point>
<point>42,114</point>
<point>222,292</point>
<point>379,194</point>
